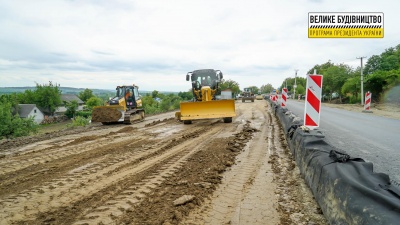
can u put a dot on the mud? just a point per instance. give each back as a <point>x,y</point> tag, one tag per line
<point>159,171</point>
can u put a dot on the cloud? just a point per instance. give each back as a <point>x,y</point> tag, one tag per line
<point>101,44</point>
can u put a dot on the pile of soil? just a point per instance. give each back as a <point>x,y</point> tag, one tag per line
<point>104,114</point>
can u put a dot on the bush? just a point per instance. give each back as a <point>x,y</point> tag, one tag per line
<point>85,114</point>
<point>72,107</point>
<point>12,125</point>
<point>354,100</point>
<point>93,101</point>
<point>80,121</point>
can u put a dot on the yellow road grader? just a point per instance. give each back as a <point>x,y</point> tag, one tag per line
<point>126,107</point>
<point>205,84</point>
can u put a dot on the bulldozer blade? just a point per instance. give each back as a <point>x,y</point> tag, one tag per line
<point>207,110</point>
<point>108,114</point>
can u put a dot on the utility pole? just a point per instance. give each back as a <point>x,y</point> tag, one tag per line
<point>362,80</point>
<point>295,85</point>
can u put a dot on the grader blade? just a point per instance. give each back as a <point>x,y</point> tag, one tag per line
<point>207,110</point>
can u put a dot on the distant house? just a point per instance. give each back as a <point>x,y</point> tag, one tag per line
<point>69,98</point>
<point>226,94</point>
<point>27,110</point>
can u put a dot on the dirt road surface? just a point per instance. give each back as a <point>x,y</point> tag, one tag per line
<point>159,171</point>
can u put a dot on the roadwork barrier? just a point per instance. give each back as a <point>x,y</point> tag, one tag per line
<point>346,188</point>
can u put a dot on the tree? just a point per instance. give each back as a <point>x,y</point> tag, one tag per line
<point>386,61</point>
<point>231,84</point>
<point>300,90</point>
<point>290,82</point>
<point>47,97</point>
<point>321,68</point>
<point>93,101</point>
<point>170,102</point>
<point>154,94</point>
<point>86,94</point>
<point>27,97</point>
<point>187,95</point>
<point>372,65</point>
<point>266,88</point>
<point>150,105</point>
<point>72,107</point>
<point>13,125</point>
<point>352,88</point>
<point>12,99</point>
<point>254,89</point>
<point>380,81</point>
<point>336,76</point>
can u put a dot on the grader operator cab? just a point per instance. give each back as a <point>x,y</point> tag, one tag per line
<point>205,105</point>
<point>248,94</point>
<point>126,107</point>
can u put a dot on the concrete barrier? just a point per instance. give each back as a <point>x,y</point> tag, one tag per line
<point>346,188</point>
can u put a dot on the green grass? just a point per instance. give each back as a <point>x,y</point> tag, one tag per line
<point>48,128</point>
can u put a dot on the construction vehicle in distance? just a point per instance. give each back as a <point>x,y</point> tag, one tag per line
<point>126,107</point>
<point>248,94</point>
<point>205,84</point>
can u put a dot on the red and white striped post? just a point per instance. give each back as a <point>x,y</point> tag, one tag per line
<point>367,105</point>
<point>313,101</point>
<point>284,97</point>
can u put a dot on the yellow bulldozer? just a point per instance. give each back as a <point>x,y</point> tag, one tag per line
<point>205,84</point>
<point>126,107</point>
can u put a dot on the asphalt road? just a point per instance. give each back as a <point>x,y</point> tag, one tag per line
<point>362,135</point>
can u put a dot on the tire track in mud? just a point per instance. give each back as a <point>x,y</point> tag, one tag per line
<point>21,171</point>
<point>241,198</point>
<point>86,180</point>
<point>196,180</point>
<point>77,157</point>
<point>43,152</point>
<point>133,195</point>
<point>296,204</point>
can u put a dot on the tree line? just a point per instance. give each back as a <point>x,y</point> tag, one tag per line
<point>340,81</point>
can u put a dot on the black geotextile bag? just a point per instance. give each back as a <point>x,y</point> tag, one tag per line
<point>347,189</point>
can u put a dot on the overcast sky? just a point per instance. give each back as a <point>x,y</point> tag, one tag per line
<point>104,43</point>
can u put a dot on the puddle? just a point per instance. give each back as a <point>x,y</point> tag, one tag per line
<point>80,168</point>
<point>166,131</point>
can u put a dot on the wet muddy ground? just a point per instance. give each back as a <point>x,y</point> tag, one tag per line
<point>159,171</point>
